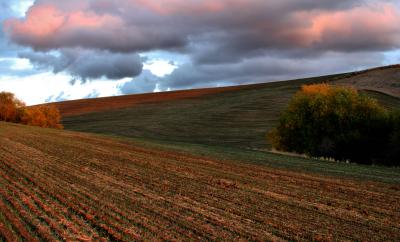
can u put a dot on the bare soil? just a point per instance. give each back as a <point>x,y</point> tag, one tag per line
<point>60,185</point>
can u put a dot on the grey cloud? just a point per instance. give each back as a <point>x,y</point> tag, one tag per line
<point>62,96</point>
<point>57,98</point>
<point>238,29</point>
<point>253,70</point>
<point>146,82</point>
<point>88,64</point>
<point>265,69</point>
<point>7,49</point>
<point>93,94</point>
<point>237,42</point>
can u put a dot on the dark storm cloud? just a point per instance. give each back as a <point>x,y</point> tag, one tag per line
<point>88,64</point>
<point>234,27</point>
<point>227,41</point>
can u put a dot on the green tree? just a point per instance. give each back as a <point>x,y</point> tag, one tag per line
<point>332,121</point>
<point>393,153</point>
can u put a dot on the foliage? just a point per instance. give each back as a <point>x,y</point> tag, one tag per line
<point>9,106</point>
<point>14,110</point>
<point>393,153</point>
<point>42,116</point>
<point>336,122</point>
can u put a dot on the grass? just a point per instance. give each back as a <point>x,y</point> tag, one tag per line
<point>62,185</point>
<point>237,118</point>
<point>226,125</point>
<point>290,162</point>
<point>387,101</point>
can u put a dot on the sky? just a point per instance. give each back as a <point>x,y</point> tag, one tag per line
<point>53,50</point>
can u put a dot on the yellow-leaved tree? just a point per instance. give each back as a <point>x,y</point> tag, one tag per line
<point>14,110</point>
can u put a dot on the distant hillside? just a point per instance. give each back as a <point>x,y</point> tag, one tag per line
<point>77,107</point>
<point>230,117</point>
<point>383,79</point>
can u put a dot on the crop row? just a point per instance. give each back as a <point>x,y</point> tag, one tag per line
<point>82,187</point>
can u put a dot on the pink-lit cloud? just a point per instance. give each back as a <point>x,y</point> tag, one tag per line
<point>225,34</point>
<point>142,25</point>
<point>378,25</point>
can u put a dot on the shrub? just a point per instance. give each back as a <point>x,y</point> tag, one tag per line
<point>393,152</point>
<point>14,110</point>
<point>9,106</point>
<point>42,116</point>
<point>336,122</point>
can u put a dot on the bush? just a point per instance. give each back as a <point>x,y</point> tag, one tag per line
<point>14,110</point>
<point>9,106</point>
<point>42,116</point>
<point>393,152</point>
<point>335,122</point>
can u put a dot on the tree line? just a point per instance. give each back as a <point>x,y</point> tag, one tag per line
<point>339,122</point>
<point>14,110</point>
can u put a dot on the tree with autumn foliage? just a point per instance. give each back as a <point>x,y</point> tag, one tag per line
<point>9,107</point>
<point>46,116</point>
<point>14,110</point>
<point>335,122</point>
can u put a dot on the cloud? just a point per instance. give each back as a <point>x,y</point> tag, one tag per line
<point>236,27</point>
<point>7,11</point>
<point>225,41</point>
<point>11,66</point>
<point>147,82</point>
<point>88,64</point>
<point>52,25</point>
<point>265,69</point>
<point>57,98</point>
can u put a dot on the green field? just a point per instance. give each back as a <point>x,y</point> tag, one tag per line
<point>234,119</point>
<point>239,118</point>
<point>229,125</point>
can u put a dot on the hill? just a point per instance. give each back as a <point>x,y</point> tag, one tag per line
<point>78,107</point>
<point>383,79</point>
<point>187,165</point>
<point>228,117</point>
<point>61,185</point>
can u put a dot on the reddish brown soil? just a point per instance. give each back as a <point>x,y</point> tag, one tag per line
<point>58,185</point>
<point>77,107</point>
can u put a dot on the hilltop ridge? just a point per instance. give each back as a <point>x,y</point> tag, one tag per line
<point>384,79</point>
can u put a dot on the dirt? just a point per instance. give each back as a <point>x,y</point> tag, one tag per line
<point>77,107</point>
<point>59,185</point>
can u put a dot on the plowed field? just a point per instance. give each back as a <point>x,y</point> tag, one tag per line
<point>59,185</point>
